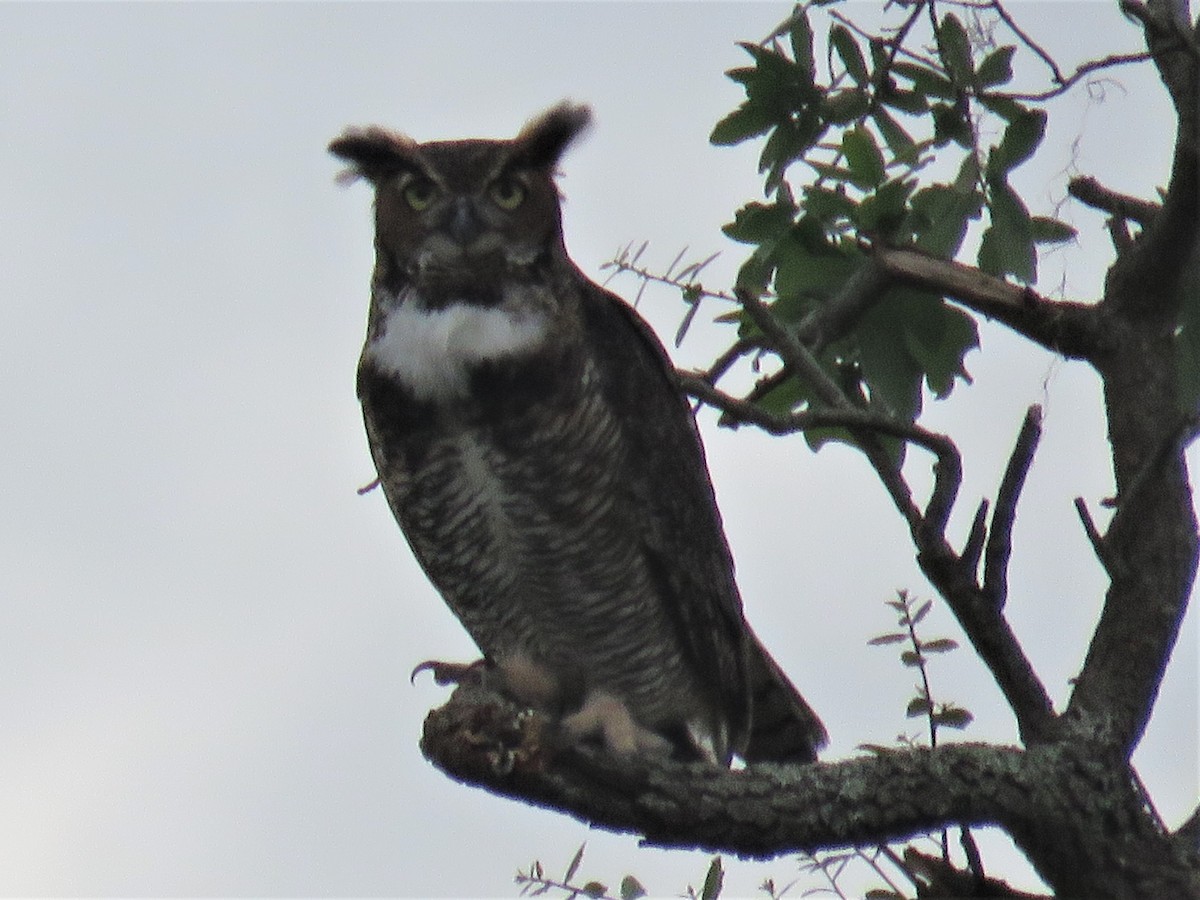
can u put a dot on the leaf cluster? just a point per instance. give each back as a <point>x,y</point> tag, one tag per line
<point>864,125</point>
<point>535,883</point>
<point>917,655</point>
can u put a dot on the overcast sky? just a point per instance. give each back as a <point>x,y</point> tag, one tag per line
<point>206,634</point>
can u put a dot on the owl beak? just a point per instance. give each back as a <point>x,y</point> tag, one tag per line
<point>465,225</point>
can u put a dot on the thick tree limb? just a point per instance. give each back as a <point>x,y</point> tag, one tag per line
<point>1048,798</point>
<point>1152,542</point>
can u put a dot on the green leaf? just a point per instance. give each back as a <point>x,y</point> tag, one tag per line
<point>925,80</point>
<point>939,645</point>
<point>574,866</point>
<point>903,148</point>
<point>922,611</point>
<point>955,49</point>
<point>894,638</point>
<point>949,124</point>
<point>911,659</point>
<point>845,106</point>
<point>996,67</point>
<point>747,121</point>
<point>891,373</point>
<point>912,102</point>
<point>594,889</point>
<point>942,215</point>
<point>938,336</point>
<point>1051,231</point>
<point>631,888</point>
<point>917,706</point>
<point>828,205</point>
<point>882,212</point>
<point>806,267</point>
<point>953,717</point>
<point>757,223</point>
<point>1005,107</point>
<point>863,158</point>
<point>1007,244</point>
<point>713,880</point>
<point>847,48</point>
<point>802,42</point>
<point>1021,139</point>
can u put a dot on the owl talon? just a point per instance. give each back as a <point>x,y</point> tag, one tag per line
<point>606,719</point>
<point>445,673</point>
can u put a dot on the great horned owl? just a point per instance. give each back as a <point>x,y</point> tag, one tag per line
<point>544,467</point>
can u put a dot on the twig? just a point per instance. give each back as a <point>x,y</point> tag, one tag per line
<point>1029,42</point>
<point>854,417</point>
<point>1093,65</point>
<point>741,347</point>
<point>947,469</point>
<point>794,354</point>
<point>973,549</point>
<point>1095,538</point>
<point>999,545</point>
<point>873,862</point>
<point>970,849</point>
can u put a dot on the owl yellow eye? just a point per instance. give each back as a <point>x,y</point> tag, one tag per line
<point>419,193</point>
<point>507,193</point>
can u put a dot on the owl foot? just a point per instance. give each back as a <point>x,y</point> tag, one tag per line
<point>452,673</point>
<point>606,718</point>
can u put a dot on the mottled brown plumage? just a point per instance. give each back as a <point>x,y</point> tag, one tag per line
<point>543,466</point>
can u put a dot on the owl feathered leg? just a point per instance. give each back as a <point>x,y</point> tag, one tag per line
<point>601,717</point>
<point>607,718</point>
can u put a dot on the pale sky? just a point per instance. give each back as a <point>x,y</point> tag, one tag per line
<point>206,634</point>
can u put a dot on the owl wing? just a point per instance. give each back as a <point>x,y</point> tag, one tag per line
<point>676,517</point>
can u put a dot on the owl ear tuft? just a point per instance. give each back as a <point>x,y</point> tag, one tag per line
<point>543,140</point>
<point>374,153</point>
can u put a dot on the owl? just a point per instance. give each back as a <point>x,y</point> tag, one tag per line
<point>543,465</point>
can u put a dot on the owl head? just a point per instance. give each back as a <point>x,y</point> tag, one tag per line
<point>460,209</point>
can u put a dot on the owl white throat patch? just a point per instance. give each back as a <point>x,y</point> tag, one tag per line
<point>432,351</point>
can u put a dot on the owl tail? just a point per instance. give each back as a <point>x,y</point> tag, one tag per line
<point>783,727</point>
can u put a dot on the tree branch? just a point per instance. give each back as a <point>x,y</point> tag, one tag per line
<point>767,810</point>
<point>801,361</point>
<point>993,639</point>
<point>1091,192</point>
<point>999,545</point>
<point>760,811</point>
<point>1152,541</point>
<point>745,412</point>
<point>1175,49</point>
<point>1063,327</point>
<point>980,618</point>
